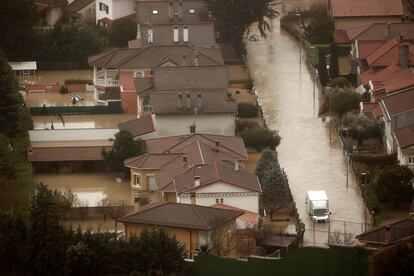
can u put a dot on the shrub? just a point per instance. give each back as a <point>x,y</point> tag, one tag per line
<point>64,90</point>
<point>247,110</point>
<point>380,160</point>
<point>259,138</point>
<point>241,125</point>
<point>249,84</point>
<point>361,127</point>
<point>342,100</point>
<point>339,82</point>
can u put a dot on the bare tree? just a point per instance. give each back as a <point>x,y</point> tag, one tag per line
<point>83,209</point>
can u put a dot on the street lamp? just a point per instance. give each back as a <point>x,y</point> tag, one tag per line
<point>365,199</point>
<point>300,42</point>
<point>345,129</point>
<point>328,62</point>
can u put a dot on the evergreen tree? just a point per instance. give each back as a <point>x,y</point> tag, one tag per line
<point>273,180</point>
<point>47,247</point>
<point>122,31</point>
<point>14,117</point>
<point>321,26</point>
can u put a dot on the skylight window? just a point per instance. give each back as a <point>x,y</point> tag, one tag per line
<point>154,11</point>
<point>191,11</point>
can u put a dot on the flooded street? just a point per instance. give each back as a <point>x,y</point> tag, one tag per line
<point>285,92</point>
<point>58,99</point>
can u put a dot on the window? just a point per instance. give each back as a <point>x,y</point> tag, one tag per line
<point>147,106</point>
<point>185,34</point>
<point>154,11</point>
<point>103,7</point>
<point>411,160</point>
<point>137,180</point>
<point>151,183</point>
<point>217,200</point>
<point>175,34</point>
<point>138,74</point>
<point>191,11</point>
<point>221,200</point>
<point>150,36</point>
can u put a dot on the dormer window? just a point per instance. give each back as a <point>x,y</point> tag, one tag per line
<point>191,11</point>
<point>154,11</point>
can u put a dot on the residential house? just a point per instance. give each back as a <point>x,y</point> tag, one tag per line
<point>82,10</point>
<point>192,99</point>
<point>219,183</point>
<point>354,13</point>
<point>398,112</point>
<point>194,226</point>
<point>172,22</point>
<point>387,233</point>
<point>174,155</point>
<point>50,11</point>
<point>249,220</point>
<point>141,128</point>
<point>109,10</point>
<point>119,67</point>
<point>404,138</point>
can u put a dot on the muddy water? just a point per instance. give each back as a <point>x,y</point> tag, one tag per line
<point>90,188</point>
<point>57,99</point>
<point>285,90</point>
<point>81,121</point>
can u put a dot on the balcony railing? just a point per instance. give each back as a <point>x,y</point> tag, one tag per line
<point>108,82</point>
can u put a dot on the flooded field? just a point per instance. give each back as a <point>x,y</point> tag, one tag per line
<point>90,188</point>
<point>57,99</point>
<point>285,89</point>
<point>81,121</point>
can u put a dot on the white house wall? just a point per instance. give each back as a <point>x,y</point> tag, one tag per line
<point>102,14</point>
<point>122,8</point>
<point>72,134</point>
<point>220,124</point>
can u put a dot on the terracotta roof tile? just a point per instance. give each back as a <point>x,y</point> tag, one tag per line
<point>365,48</point>
<point>153,161</point>
<point>182,216</point>
<point>399,229</point>
<point>386,54</point>
<point>45,154</point>
<point>356,8</point>
<point>381,31</point>
<point>249,217</point>
<point>139,126</point>
<point>341,37</point>
<point>213,173</point>
<point>405,136</point>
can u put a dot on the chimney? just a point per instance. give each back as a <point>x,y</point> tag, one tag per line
<point>188,100</point>
<point>236,165</point>
<point>404,55</point>
<point>196,58</point>
<point>193,198</point>
<point>170,9</point>
<point>387,235</point>
<point>217,146</point>
<point>180,9</point>
<point>388,30</point>
<point>199,101</point>
<point>183,60</point>
<point>180,100</point>
<point>196,181</point>
<point>185,161</point>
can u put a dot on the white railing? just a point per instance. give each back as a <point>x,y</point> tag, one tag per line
<point>108,82</point>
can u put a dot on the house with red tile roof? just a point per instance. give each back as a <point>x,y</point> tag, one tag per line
<point>398,112</point>
<point>354,13</point>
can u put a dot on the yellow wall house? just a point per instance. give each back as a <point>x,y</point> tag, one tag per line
<point>192,225</point>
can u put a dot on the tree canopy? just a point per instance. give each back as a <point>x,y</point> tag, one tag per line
<point>123,148</point>
<point>259,138</point>
<point>276,194</point>
<point>321,26</point>
<point>341,100</point>
<point>122,31</point>
<point>360,127</point>
<point>234,18</point>
<point>18,18</point>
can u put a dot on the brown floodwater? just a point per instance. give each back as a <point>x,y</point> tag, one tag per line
<point>90,188</point>
<point>57,99</point>
<point>285,89</point>
<point>81,121</point>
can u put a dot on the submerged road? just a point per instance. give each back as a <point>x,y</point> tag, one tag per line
<point>285,89</point>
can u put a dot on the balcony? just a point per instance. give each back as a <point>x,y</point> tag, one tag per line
<point>108,82</point>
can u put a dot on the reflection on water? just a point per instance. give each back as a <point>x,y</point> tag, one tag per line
<point>286,94</point>
<point>90,188</point>
<point>81,121</point>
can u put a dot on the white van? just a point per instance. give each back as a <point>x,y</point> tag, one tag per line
<point>317,206</point>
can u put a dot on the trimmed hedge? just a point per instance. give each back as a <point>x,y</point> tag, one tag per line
<point>78,81</point>
<point>62,110</point>
<point>380,160</point>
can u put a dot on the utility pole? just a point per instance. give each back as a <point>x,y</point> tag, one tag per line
<point>345,129</point>
<point>365,200</point>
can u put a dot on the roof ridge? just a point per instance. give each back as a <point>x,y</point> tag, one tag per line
<point>204,135</point>
<point>200,151</point>
<point>199,216</point>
